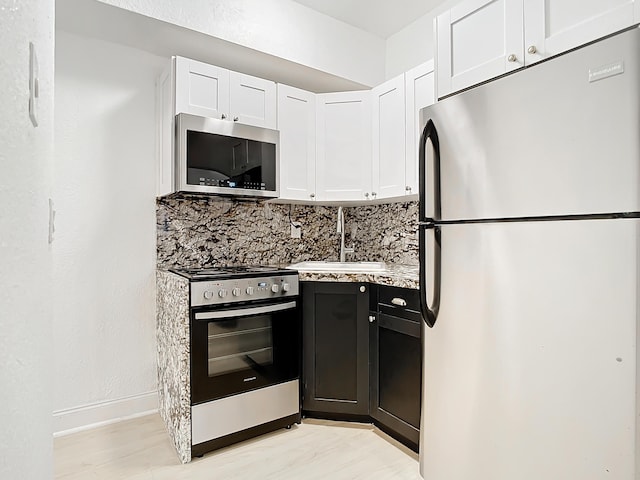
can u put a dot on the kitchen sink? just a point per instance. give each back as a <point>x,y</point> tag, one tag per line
<point>357,267</point>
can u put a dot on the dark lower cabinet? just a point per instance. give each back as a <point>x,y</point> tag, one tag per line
<point>396,364</point>
<point>335,349</point>
<point>362,356</point>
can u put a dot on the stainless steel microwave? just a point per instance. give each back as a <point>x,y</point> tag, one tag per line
<point>226,158</point>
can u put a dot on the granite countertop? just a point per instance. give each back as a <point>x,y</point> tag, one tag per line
<point>405,276</point>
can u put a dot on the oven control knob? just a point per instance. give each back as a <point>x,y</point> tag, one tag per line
<point>208,294</point>
<point>285,287</point>
<point>249,290</point>
<point>275,288</point>
<point>236,292</point>
<point>222,293</point>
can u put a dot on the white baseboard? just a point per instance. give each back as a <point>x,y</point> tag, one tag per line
<point>76,419</point>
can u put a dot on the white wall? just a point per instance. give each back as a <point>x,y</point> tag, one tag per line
<point>25,260</point>
<point>414,44</point>
<point>281,28</point>
<point>104,251</point>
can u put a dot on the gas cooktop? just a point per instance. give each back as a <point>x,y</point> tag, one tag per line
<point>213,286</point>
<point>233,271</point>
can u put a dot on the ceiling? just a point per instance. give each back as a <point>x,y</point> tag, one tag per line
<point>380,17</point>
<point>96,19</point>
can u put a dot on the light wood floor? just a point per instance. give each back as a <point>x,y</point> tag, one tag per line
<point>140,449</point>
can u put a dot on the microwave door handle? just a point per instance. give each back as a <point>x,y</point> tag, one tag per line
<point>224,314</point>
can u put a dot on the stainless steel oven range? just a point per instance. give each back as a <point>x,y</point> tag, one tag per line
<point>245,353</point>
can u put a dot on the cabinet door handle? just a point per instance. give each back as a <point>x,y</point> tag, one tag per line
<point>235,119</point>
<point>372,318</point>
<point>401,302</point>
<point>512,58</point>
<point>223,116</point>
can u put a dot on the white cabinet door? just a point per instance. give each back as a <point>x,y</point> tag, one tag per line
<point>165,114</point>
<point>201,89</point>
<point>388,135</point>
<point>343,146</point>
<point>555,26</point>
<point>297,125</point>
<point>478,40</point>
<point>252,100</point>
<point>420,92</point>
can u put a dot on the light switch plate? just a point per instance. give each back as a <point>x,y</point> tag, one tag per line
<point>296,230</point>
<point>34,86</point>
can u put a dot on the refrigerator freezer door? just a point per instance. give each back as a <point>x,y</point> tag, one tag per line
<point>558,138</point>
<point>530,371</point>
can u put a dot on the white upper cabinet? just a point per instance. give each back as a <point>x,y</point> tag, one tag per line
<point>481,39</point>
<point>420,92</point>
<point>210,91</point>
<point>345,146</point>
<point>477,40</point>
<point>555,26</point>
<point>252,100</point>
<point>201,89</point>
<point>389,139</point>
<point>343,135</point>
<point>297,126</point>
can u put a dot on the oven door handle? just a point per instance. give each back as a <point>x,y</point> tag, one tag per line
<point>245,311</point>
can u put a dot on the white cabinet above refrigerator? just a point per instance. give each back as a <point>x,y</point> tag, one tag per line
<point>481,39</point>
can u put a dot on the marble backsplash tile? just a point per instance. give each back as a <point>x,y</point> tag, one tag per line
<point>204,231</point>
<point>387,232</point>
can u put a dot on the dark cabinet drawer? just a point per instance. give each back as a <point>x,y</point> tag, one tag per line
<point>404,298</point>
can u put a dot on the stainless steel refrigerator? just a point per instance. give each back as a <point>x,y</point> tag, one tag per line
<point>529,245</point>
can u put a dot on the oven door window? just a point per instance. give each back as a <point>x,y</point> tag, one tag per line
<point>235,346</point>
<point>241,350</point>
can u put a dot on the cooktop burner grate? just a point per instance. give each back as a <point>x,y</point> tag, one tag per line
<point>232,271</point>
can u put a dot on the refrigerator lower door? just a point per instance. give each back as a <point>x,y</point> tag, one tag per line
<point>531,369</point>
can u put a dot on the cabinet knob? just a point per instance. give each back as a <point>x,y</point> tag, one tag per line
<point>372,318</point>
<point>235,119</point>
<point>223,116</point>
<point>313,195</point>
<point>532,49</point>
<point>512,58</point>
<point>407,188</point>
<point>373,194</point>
<point>363,288</point>
<point>366,194</point>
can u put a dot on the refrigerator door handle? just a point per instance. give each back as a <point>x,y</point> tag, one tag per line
<point>427,224</point>
<point>428,309</point>
<point>429,134</point>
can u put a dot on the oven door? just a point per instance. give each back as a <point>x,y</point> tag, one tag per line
<point>237,349</point>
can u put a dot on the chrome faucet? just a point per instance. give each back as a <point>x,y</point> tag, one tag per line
<point>340,229</point>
